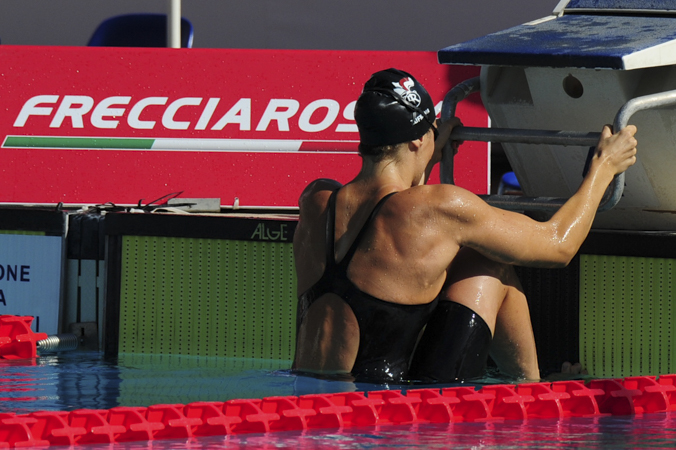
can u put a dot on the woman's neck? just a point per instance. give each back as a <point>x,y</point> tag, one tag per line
<point>399,173</point>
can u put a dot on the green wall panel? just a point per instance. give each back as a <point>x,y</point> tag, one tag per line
<point>163,379</point>
<point>627,315</point>
<point>207,297</point>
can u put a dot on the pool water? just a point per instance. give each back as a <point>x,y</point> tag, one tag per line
<point>88,380</point>
<point>74,380</point>
<point>78,380</point>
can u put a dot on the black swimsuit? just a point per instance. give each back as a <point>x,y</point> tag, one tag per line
<point>388,331</point>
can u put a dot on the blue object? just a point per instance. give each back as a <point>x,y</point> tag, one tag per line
<point>636,5</point>
<point>508,182</point>
<point>585,41</point>
<point>138,30</point>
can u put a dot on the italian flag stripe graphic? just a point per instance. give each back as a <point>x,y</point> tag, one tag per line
<point>168,144</point>
<point>77,142</point>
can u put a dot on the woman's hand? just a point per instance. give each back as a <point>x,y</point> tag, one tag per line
<point>445,128</point>
<point>615,153</point>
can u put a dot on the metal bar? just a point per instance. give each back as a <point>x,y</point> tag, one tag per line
<point>667,98</point>
<point>174,24</point>
<point>613,193</point>
<point>454,96</point>
<point>521,136</point>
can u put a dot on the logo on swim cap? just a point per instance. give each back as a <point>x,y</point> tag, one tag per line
<point>403,88</point>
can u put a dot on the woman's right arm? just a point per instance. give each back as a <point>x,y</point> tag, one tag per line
<point>516,239</point>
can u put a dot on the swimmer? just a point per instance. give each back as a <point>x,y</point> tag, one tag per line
<point>401,280</point>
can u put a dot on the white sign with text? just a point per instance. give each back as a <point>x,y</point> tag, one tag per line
<point>30,278</point>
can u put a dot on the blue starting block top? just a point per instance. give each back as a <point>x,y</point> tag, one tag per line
<point>576,40</point>
<point>635,5</point>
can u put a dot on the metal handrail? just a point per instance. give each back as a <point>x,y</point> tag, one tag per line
<point>551,137</point>
<point>448,106</point>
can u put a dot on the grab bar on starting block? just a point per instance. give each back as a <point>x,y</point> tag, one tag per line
<point>566,138</point>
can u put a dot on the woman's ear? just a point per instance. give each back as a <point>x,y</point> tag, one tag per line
<point>415,145</point>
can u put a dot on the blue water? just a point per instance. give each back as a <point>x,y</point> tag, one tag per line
<point>87,380</point>
<point>76,380</point>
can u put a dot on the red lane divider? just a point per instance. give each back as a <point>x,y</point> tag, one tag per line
<point>580,400</point>
<point>506,403</point>
<point>546,403</point>
<point>55,428</point>
<point>432,406</point>
<point>133,420</point>
<point>214,420</point>
<point>291,416</point>
<point>17,432</point>
<point>631,395</point>
<point>332,410</point>
<point>655,396</point>
<point>615,398</point>
<point>392,407</point>
<point>669,383</point>
<point>17,340</point>
<point>471,405</point>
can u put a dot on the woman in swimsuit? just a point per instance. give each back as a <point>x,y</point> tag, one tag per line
<point>401,280</point>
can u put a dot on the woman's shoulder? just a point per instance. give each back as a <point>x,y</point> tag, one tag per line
<point>317,192</point>
<point>437,194</point>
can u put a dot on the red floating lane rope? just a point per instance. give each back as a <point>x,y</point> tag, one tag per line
<point>631,395</point>
<point>628,396</point>
<point>17,340</point>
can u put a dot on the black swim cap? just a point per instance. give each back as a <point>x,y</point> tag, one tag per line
<point>393,108</point>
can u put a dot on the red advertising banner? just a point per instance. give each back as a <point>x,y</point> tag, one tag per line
<point>251,127</point>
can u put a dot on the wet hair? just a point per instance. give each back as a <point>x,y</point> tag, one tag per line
<point>378,152</point>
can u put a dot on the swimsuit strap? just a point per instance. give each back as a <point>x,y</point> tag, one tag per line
<point>353,249</point>
<point>330,233</point>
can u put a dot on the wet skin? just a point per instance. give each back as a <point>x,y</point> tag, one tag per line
<point>429,240</point>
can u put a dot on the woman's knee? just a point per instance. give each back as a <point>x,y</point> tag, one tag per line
<point>470,264</point>
<point>480,284</point>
